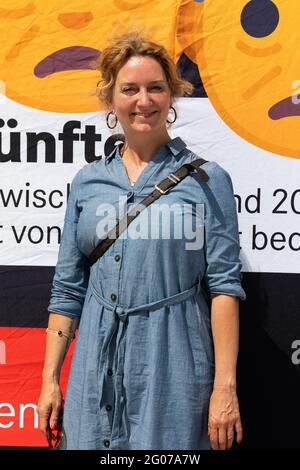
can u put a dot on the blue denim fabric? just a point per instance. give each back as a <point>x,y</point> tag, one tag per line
<point>143,365</point>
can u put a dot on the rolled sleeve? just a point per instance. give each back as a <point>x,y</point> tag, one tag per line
<point>222,247</point>
<point>71,275</point>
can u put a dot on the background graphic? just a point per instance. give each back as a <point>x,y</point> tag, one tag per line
<point>244,114</point>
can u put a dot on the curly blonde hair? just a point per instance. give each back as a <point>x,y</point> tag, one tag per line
<point>130,44</point>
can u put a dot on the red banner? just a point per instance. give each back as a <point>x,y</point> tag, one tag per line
<point>21,363</point>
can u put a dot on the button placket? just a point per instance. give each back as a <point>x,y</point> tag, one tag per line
<point>109,384</point>
<point>119,367</point>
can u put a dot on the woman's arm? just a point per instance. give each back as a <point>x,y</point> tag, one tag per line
<point>225,330</point>
<point>224,416</point>
<point>68,294</point>
<point>57,345</point>
<point>61,330</point>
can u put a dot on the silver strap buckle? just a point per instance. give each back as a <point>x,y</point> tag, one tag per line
<point>171,177</point>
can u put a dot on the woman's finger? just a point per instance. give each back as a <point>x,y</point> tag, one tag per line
<point>44,416</point>
<point>239,431</point>
<point>230,437</point>
<point>54,419</point>
<point>214,438</point>
<point>222,438</point>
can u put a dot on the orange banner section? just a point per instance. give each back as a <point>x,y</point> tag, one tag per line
<point>21,364</point>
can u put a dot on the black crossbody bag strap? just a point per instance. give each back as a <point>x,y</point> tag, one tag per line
<point>162,188</point>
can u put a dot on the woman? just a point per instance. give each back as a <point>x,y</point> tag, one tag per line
<point>154,365</point>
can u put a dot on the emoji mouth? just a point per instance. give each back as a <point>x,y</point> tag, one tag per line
<point>68,58</point>
<point>288,107</point>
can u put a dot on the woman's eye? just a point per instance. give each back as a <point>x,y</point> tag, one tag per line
<point>133,90</point>
<point>259,18</point>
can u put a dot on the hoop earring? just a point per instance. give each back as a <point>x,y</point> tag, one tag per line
<point>175,116</point>
<point>107,120</point>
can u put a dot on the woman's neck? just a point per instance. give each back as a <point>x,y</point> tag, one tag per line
<point>140,151</point>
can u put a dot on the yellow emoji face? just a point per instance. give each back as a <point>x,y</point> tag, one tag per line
<point>247,55</point>
<point>48,47</point>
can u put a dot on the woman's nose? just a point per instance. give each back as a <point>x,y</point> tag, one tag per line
<point>144,98</point>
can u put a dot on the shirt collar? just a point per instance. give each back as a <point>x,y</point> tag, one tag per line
<point>175,145</point>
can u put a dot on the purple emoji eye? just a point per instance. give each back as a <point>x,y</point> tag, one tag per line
<point>259,18</point>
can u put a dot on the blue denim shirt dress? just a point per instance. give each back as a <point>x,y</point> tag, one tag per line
<point>143,364</point>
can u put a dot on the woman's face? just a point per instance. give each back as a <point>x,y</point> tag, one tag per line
<point>141,96</point>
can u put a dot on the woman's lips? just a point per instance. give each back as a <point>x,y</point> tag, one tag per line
<point>145,115</point>
<point>68,58</point>
<point>288,107</point>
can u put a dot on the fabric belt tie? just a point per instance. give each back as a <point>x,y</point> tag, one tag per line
<point>114,345</point>
<point>123,312</point>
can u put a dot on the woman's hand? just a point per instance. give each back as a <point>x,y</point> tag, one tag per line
<point>49,407</point>
<point>224,419</point>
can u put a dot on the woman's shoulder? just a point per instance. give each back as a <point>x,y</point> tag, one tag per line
<point>211,167</point>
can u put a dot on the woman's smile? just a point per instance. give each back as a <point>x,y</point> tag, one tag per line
<point>144,115</point>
